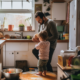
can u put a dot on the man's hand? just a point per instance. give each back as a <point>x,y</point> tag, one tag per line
<point>35,38</point>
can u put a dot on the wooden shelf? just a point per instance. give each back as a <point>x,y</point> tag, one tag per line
<point>19,31</point>
<point>64,68</point>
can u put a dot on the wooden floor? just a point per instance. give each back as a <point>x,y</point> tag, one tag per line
<point>33,76</point>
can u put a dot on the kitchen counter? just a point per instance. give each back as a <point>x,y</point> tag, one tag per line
<point>2,42</point>
<point>30,40</point>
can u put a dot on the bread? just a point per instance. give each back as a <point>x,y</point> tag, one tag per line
<point>1,35</point>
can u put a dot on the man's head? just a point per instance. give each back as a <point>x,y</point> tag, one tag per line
<point>40,17</point>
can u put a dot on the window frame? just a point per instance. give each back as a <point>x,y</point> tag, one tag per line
<point>32,11</point>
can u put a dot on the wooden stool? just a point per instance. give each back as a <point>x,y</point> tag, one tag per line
<point>31,75</point>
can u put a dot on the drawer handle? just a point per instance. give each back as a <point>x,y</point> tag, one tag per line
<point>17,53</point>
<point>12,53</point>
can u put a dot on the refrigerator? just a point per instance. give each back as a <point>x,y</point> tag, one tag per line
<point>74,24</point>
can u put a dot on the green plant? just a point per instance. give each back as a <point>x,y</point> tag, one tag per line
<point>28,20</point>
<point>21,25</point>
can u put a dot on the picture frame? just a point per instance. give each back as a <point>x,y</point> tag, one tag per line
<point>38,7</point>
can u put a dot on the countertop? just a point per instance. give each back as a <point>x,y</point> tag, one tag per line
<point>30,40</point>
<point>2,42</point>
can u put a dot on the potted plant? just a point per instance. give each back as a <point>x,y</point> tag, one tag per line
<point>21,27</point>
<point>29,28</point>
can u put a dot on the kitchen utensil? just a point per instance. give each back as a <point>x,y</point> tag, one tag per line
<point>13,73</point>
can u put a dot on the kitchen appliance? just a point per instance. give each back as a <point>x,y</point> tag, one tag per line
<point>74,24</point>
<point>11,73</point>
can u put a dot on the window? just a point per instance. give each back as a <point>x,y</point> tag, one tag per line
<point>17,5</point>
<point>6,5</point>
<point>16,12</point>
<point>27,5</point>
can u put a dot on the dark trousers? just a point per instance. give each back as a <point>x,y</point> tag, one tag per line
<point>36,52</point>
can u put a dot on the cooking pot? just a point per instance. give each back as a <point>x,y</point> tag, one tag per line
<point>11,73</point>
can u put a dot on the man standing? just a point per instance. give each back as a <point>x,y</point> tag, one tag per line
<point>49,26</point>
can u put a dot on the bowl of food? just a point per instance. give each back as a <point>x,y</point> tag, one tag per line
<point>11,73</point>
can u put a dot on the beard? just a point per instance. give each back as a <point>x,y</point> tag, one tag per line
<point>42,22</point>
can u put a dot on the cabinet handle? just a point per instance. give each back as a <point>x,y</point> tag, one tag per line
<point>12,53</point>
<point>17,53</point>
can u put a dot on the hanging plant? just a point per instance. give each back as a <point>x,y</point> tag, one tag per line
<point>36,0</point>
<point>27,0</point>
<point>48,1</point>
<point>49,8</point>
<point>44,4</point>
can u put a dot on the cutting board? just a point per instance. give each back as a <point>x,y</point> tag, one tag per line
<point>32,76</point>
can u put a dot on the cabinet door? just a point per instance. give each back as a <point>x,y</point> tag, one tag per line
<point>59,11</point>
<point>31,58</point>
<point>59,47</point>
<point>20,55</point>
<point>10,59</point>
<point>4,56</point>
<point>20,46</point>
<point>60,74</point>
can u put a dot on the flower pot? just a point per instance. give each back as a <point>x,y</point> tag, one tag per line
<point>21,28</point>
<point>10,27</point>
<point>29,28</point>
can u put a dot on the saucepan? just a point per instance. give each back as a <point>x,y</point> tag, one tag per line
<point>11,73</point>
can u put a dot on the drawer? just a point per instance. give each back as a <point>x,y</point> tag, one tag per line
<point>23,46</point>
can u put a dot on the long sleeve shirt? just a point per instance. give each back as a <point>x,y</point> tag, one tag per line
<point>50,27</point>
<point>43,48</point>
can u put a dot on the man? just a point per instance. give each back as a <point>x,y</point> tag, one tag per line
<point>49,26</point>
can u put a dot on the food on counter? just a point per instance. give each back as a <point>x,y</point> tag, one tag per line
<point>28,37</point>
<point>11,72</point>
<point>6,36</point>
<point>1,35</point>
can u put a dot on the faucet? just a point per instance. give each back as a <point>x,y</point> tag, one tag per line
<point>20,33</point>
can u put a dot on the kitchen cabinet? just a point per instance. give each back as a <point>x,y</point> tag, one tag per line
<point>61,74</point>
<point>23,52</point>
<point>20,46</point>
<point>59,47</point>
<point>59,11</point>
<point>4,55</point>
<point>9,59</point>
